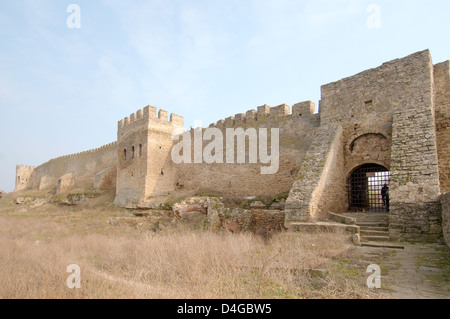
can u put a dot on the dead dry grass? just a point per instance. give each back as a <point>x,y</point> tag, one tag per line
<point>125,261</point>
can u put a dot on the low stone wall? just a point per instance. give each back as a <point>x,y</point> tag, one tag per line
<point>263,222</point>
<point>416,222</point>
<point>342,219</point>
<point>324,227</point>
<point>445,202</point>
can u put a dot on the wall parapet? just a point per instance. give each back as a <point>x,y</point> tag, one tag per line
<point>25,167</point>
<point>80,153</point>
<point>149,113</point>
<point>266,113</point>
<point>395,64</point>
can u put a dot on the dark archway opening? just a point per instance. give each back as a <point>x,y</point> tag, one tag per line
<point>367,190</point>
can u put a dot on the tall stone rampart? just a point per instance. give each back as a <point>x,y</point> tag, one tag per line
<point>238,180</point>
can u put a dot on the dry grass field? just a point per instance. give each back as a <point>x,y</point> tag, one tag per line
<point>122,256</point>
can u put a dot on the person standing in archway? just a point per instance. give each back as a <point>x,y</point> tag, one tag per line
<point>385,196</point>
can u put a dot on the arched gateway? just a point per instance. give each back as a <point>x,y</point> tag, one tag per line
<point>367,190</point>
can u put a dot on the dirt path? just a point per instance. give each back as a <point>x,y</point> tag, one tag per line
<point>420,271</point>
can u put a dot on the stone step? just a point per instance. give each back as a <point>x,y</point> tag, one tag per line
<point>320,226</point>
<point>375,217</point>
<point>381,245</point>
<point>368,217</point>
<point>375,228</point>
<point>365,233</point>
<point>372,224</point>
<point>375,238</point>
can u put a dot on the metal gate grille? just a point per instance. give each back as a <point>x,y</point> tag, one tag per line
<point>367,190</point>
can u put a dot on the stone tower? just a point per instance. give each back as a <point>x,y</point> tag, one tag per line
<point>23,177</point>
<point>145,169</point>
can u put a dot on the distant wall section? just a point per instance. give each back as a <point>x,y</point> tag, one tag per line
<point>84,166</point>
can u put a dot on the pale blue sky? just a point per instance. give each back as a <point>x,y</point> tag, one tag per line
<point>63,90</point>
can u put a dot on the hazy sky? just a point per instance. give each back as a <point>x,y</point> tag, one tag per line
<point>62,90</point>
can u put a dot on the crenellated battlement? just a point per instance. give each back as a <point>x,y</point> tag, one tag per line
<point>149,113</point>
<point>266,113</point>
<point>25,167</point>
<point>94,150</point>
<point>144,146</point>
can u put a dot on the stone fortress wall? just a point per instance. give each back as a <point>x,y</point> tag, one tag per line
<point>96,166</point>
<point>296,131</point>
<point>396,115</point>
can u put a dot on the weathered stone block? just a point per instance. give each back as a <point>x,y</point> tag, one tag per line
<point>105,179</point>
<point>65,182</point>
<point>303,109</point>
<point>47,182</point>
<point>356,239</point>
<point>280,110</point>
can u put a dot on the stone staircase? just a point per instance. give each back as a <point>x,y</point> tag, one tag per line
<point>374,229</point>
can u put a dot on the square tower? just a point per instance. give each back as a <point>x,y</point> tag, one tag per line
<point>145,169</point>
<point>24,177</point>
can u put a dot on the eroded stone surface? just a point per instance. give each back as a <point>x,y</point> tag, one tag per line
<point>420,271</point>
